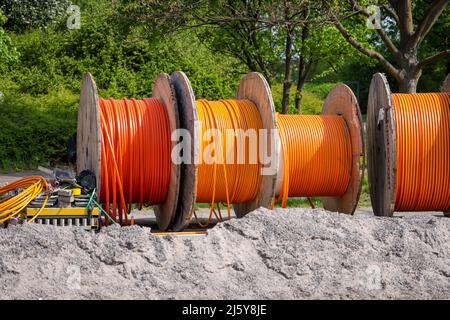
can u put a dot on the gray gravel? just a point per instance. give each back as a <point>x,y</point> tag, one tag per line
<point>281,254</point>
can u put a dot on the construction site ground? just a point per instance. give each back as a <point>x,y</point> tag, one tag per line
<point>280,254</point>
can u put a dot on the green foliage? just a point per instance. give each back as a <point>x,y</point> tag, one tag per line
<point>313,97</point>
<point>319,89</point>
<point>23,14</point>
<point>302,203</point>
<point>8,53</point>
<point>436,41</point>
<point>327,49</point>
<point>364,198</point>
<point>42,86</point>
<point>260,51</point>
<point>122,64</point>
<point>35,129</point>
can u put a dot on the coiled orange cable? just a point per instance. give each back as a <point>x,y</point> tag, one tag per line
<point>227,178</point>
<point>136,154</point>
<point>317,156</point>
<point>136,151</point>
<point>422,123</point>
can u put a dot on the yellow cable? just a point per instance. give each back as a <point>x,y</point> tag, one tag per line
<point>29,188</point>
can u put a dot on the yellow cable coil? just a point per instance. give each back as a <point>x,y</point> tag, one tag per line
<point>28,189</point>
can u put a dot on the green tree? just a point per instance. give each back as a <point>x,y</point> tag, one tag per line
<point>320,52</point>
<point>402,32</point>
<point>271,37</point>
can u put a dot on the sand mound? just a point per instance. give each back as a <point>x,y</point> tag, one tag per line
<point>295,253</point>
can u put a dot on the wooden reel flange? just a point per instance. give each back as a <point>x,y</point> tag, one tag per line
<point>341,101</point>
<point>381,147</point>
<point>253,87</point>
<point>89,140</point>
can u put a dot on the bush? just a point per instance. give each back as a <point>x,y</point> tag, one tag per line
<point>35,129</point>
<point>8,53</point>
<point>23,14</point>
<point>123,64</point>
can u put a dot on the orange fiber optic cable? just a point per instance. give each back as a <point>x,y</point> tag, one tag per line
<point>317,156</point>
<point>136,151</point>
<point>422,123</point>
<point>222,180</point>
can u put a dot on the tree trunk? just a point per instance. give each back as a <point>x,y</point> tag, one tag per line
<point>302,72</point>
<point>303,68</point>
<point>410,71</point>
<point>287,82</point>
<point>408,84</point>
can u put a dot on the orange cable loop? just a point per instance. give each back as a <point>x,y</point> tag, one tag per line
<point>317,156</point>
<point>422,123</point>
<point>224,179</point>
<point>136,149</point>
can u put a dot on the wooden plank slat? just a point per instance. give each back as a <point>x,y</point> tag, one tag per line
<point>89,135</point>
<point>446,84</point>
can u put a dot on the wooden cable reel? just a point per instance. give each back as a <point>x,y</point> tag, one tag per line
<point>89,140</point>
<point>383,149</point>
<point>254,88</point>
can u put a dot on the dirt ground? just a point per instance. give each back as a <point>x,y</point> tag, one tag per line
<point>280,254</point>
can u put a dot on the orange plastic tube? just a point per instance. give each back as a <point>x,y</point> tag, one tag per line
<point>422,123</point>
<point>223,178</point>
<point>317,156</point>
<point>136,149</point>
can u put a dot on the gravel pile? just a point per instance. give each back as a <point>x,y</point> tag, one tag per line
<point>280,254</point>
